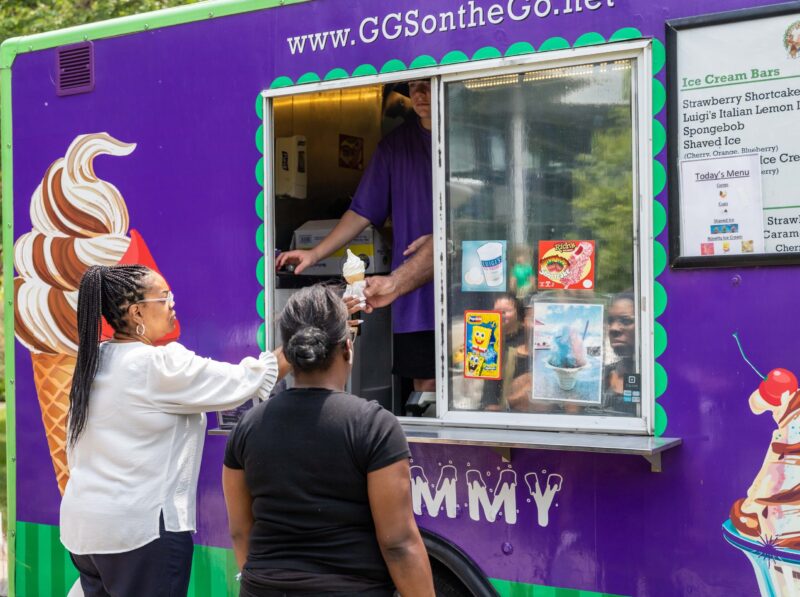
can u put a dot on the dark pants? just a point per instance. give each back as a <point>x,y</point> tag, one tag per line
<point>159,569</point>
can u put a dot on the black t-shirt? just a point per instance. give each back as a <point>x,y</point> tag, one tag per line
<point>306,453</point>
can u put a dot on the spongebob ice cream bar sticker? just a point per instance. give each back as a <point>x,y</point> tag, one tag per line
<point>482,343</point>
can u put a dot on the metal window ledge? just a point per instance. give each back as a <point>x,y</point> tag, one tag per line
<point>503,440</point>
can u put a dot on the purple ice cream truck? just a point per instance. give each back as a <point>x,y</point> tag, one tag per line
<point>616,227</point>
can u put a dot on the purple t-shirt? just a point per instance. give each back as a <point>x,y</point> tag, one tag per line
<point>398,182</point>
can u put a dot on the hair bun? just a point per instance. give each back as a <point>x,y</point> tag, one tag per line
<point>307,347</point>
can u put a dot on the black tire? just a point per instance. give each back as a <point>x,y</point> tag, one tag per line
<point>446,583</point>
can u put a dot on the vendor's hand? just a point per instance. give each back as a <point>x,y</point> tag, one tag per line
<point>380,292</point>
<point>301,259</point>
<point>412,248</point>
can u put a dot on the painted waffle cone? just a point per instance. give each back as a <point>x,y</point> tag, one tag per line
<point>52,374</point>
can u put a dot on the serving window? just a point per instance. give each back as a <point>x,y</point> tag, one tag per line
<point>541,191</point>
<point>541,235</point>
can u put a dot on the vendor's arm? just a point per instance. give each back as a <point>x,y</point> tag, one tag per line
<point>239,504</point>
<point>416,271</point>
<point>348,227</point>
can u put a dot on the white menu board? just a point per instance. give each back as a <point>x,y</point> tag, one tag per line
<point>738,94</point>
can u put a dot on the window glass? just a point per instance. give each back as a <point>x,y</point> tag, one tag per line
<point>542,247</point>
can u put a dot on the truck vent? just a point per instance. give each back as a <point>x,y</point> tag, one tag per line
<point>75,67</point>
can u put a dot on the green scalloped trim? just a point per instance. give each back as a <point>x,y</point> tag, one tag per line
<point>260,269</point>
<point>659,299</point>
<point>260,107</point>
<point>487,52</point>
<point>260,205</point>
<point>589,39</point>
<point>260,172</point>
<point>659,54</point>
<point>260,302</point>
<point>659,137</point>
<point>516,49</point>
<point>659,177</point>
<point>659,218</point>
<point>393,66</point>
<point>659,97</point>
<point>422,61</point>
<point>519,48</point>
<point>364,70</point>
<point>309,77</point>
<point>661,420</point>
<point>626,33</point>
<point>661,380</point>
<point>659,259</point>
<point>336,73</point>
<point>261,337</point>
<point>659,339</point>
<point>260,237</point>
<point>554,43</point>
<point>454,57</point>
<point>281,82</point>
<point>260,139</point>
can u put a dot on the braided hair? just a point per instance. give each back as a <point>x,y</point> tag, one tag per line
<point>105,291</point>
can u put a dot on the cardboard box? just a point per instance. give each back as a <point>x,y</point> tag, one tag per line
<point>369,245</point>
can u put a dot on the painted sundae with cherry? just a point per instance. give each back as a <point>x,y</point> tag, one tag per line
<point>765,524</point>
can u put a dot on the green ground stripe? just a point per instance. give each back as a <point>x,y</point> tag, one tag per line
<point>19,572</point>
<point>508,588</point>
<point>44,566</point>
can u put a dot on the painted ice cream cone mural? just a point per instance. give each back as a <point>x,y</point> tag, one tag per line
<point>77,221</point>
<point>765,524</point>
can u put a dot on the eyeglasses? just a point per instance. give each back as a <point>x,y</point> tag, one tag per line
<point>169,299</point>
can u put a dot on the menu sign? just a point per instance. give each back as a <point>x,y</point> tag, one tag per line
<point>725,209</point>
<point>735,93</point>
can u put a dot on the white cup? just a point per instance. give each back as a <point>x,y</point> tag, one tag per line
<point>491,256</point>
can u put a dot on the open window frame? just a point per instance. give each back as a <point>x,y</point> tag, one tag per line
<point>638,52</point>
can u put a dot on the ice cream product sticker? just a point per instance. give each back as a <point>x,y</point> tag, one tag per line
<point>568,360</point>
<point>566,264</point>
<point>483,266</point>
<point>483,344</point>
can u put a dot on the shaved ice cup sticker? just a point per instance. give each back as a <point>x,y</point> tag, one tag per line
<point>483,266</point>
<point>482,344</point>
<point>571,368</point>
<point>566,264</point>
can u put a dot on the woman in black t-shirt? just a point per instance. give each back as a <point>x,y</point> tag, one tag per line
<point>316,481</point>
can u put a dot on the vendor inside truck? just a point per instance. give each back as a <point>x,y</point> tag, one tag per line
<point>396,183</point>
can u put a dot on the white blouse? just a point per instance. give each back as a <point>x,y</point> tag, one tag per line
<point>140,451</point>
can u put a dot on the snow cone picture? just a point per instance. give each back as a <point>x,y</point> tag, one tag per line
<point>77,221</point>
<point>765,525</point>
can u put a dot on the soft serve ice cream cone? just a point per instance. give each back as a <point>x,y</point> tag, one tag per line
<point>353,272</point>
<point>77,221</point>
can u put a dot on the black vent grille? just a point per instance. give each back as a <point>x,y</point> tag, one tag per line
<point>75,68</point>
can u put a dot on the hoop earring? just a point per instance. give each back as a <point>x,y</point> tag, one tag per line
<point>140,329</point>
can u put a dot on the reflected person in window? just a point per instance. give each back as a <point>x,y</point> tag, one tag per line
<point>622,337</point>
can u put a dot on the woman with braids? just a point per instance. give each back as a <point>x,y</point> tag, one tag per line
<point>135,435</point>
<point>316,481</point>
